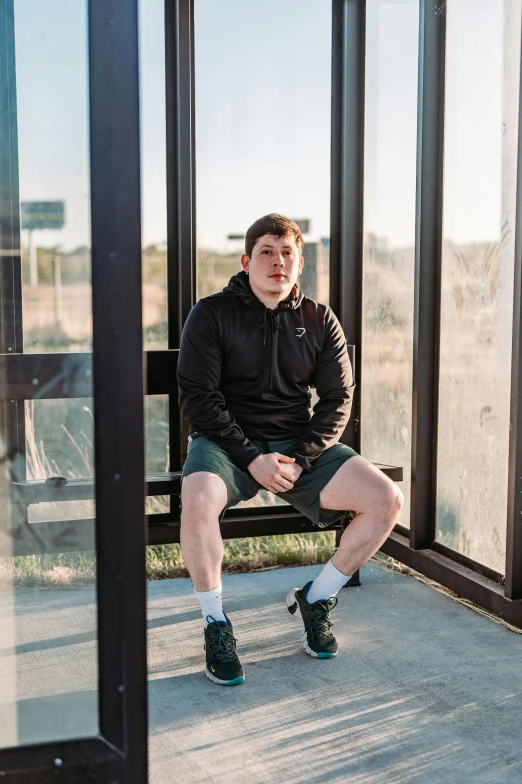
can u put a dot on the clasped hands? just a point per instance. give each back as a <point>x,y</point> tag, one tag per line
<point>275,471</point>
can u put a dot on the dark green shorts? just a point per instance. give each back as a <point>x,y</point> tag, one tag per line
<point>205,455</point>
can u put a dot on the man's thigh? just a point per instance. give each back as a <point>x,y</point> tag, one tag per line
<point>206,456</point>
<point>356,486</point>
<point>305,495</point>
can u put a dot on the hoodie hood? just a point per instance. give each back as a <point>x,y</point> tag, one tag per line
<point>240,286</point>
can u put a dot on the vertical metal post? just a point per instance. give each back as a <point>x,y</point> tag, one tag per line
<point>118,379</point>
<point>427,298</point>
<point>181,221</point>
<point>12,416</point>
<point>514,512</point>
<point>346,243</point>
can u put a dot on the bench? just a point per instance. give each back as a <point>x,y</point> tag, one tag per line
<point>53,376</point>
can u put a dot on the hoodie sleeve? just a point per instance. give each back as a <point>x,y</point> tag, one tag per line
<point>334,386</point>
<point>199,375</point>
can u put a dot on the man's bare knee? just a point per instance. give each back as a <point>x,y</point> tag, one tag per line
<point>203,496</point>
<point>388,501</point>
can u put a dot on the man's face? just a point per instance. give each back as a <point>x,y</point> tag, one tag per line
<point>274,266</point>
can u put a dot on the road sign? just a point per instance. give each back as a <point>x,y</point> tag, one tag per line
<point>304,224</point>
<point>42,214</point>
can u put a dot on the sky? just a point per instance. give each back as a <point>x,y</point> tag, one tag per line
<point>263,116</point>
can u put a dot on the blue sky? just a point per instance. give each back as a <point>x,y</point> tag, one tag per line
<point>263,115</point>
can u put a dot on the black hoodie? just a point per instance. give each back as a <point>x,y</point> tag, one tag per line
<point>245,372</point>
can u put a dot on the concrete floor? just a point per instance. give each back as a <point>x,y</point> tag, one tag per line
<point>423,689</point>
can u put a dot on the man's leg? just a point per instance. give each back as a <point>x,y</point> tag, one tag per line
<point>360,487</point>
<point>356,486</point>
<point>203,498</point>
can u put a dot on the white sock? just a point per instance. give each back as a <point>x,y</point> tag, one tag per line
<point>327,584</point>
<point>210,602</point>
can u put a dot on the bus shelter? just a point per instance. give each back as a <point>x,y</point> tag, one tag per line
<point>138,140</point>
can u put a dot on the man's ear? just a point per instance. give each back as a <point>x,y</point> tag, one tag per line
<point>245,262</point>
<point>301,264</point>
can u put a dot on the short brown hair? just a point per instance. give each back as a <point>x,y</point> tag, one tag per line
<point>278,226</point>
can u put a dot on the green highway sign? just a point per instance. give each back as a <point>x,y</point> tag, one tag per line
<point>42,214</point>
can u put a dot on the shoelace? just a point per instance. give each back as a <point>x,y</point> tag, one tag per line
<point>222,641</point>
<point>321,624</point>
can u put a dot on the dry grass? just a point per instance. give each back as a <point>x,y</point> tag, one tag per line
<point>57,570</point>
<point>73,570</point>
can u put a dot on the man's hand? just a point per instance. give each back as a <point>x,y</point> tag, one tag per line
<point>274,471</point>
<point>294,469</point>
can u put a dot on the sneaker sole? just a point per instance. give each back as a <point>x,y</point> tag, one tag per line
<point>294,609</point>
<point>233,682</point>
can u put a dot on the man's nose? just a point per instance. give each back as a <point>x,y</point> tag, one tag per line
<point>279,259</point>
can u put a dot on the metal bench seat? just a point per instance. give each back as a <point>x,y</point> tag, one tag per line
<point>36,491</point>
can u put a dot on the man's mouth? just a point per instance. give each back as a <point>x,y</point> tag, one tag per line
<point>278,276</point>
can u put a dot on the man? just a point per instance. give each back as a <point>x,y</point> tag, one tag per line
<point>247,360</point>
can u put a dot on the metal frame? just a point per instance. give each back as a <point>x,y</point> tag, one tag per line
<point>181,212</point>
<point>427,296</point>
<point>514,510</point>
<point>118,379</point>
<point>119,753</point>
<point>347,173</point>
<point>12,414</point>
<point>418,548</point>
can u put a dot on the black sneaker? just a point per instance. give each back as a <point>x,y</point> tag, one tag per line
<point>223,665</point>
<point>317,638</point>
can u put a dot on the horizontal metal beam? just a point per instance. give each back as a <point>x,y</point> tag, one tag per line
<point>89,759</point>
<point>68,536</point>
<point>463,581</point>
<point>38,491</point>
<point>69,375</point>
<point>469,563</point>
<point>239,527</point>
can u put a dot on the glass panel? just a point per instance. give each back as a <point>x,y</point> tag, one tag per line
<point>262,130</point>
<point>156,433</point>
<point>389,230</point>
<point>61,510</point>
<point>52,98</point>
<point>262,135</point>
<point>59,438</point>
<point>49,675</point>
<point>153,172</point>
<point>482,83</point>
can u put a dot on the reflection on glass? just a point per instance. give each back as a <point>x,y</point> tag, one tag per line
<point>482,83</point>
<point>153,172</point>
<point>389,226</point>
<point>262,135</point>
